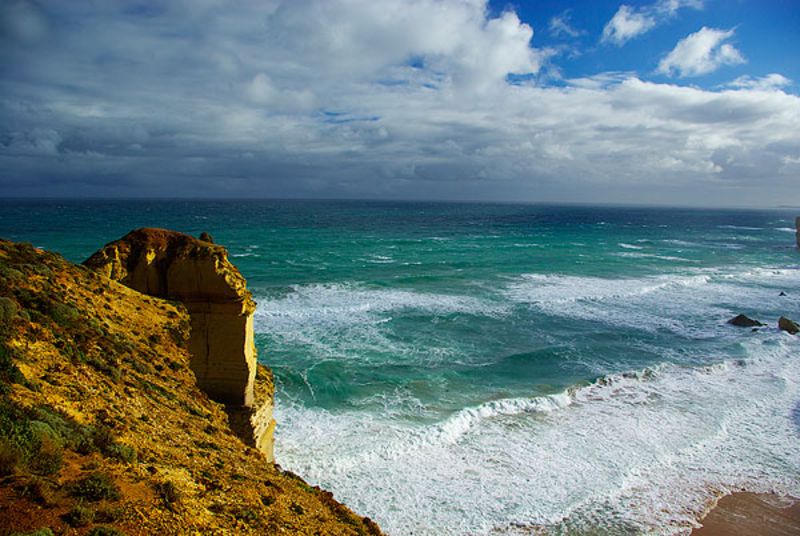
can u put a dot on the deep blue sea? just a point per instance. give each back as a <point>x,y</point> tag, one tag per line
<point>498,369</point>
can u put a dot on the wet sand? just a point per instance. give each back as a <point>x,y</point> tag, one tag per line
<point>750,514</point>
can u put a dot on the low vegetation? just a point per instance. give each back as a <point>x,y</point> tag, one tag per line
<point>103,430</point>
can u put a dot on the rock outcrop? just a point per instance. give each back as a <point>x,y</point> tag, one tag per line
<point>797,232</point>
<point>790,326</point>
<point>744,321</point>
<point>197,273</point>
<point>104,429</point>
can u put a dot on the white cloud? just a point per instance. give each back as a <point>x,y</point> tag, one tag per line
<point>626,24</point>
<point>701,53</point>
<point>629,22</point>
<point>560,25</point>
<point>361,37</point>
<point>364,99</point>
<point>765,83</point>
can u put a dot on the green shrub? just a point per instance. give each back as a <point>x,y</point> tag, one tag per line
<point>49,457</point>
<point>121,452</point>
<point>39,532</point>
<point>9,373</point>
<point>65,315</point>
<point>8,310</point>
<point>9,458</point>
<point>109,369</point>
<point>95,487</point>
<point>15,434</point>
<point>79,516</point>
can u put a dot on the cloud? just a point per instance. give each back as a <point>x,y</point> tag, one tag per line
<point>36,142</point>
<point>701,53</point>
<point>629,22</point>
<point>364,99</point>
<point>560,25</point>
<point>22,22</point>
<point>765,83</point>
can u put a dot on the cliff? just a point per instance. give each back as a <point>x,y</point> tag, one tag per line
<point>103,424</point>
<point>197,273</point>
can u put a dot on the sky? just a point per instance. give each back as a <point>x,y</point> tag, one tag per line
<point>677,102</point>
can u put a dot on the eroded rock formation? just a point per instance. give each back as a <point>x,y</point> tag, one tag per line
<point>197,273</point>
<point>744,321</point>
<point>785,324</point>
<point>797,232</point>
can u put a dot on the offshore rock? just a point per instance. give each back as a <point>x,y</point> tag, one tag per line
<point>197,273</point>
<point>797,232</point>
<point>785,324</point>
<point>743,321</point>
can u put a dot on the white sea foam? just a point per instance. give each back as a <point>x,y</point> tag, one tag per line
<point>350,303</point>
<point>786,229</point>
<point>629,246</point>
<point>645,450</point>
<point>347,320</point>
<point>740,227</point>
<point>695,303</point>
<point>638,255</point>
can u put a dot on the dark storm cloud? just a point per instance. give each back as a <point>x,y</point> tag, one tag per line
<point>356,99</point>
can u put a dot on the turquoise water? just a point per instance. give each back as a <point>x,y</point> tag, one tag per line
<point>475,368</point>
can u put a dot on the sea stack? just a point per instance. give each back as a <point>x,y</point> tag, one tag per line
<point>197,273</point>
<point>797,230</point>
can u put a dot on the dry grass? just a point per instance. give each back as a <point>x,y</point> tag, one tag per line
<point>102,426</point>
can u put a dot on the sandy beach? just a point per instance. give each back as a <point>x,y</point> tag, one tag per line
<point>749,514</point>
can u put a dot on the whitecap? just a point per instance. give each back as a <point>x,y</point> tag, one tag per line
<point>644,450</point>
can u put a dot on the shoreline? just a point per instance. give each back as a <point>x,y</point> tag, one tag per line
<point>746,513</point>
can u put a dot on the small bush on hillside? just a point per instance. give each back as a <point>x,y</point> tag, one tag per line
<point>9,373</point>
<point>123,453</point>
<point>95,487</point>
<point>39,532</point>
<point>79,516</point>
<point>37,490</point>
<point>49,457</point>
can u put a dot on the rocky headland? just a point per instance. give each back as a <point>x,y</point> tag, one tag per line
<point>222,351</point>
<point>131,401</point>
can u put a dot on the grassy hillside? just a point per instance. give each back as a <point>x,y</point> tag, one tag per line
<point>103,429</point>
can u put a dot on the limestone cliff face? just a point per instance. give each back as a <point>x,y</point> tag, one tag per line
<point>197,273</point>
<point>103,424</point>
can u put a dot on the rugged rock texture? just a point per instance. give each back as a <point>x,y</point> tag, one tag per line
<point>743,321</point>
<point>103,425</point>
<point>197,273</point>
<point>786,324</point>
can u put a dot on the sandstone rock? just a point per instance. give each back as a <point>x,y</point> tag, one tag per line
<point>743,321</point>
<point>176,266</point>
<point>205,237</point>
<point>791,326</point>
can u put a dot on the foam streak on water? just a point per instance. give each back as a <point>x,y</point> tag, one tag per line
<point>635,452</point>
<point>452,369</point>
<point>643,451</point>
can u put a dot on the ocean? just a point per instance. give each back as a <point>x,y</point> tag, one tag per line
<point>455,368</point>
